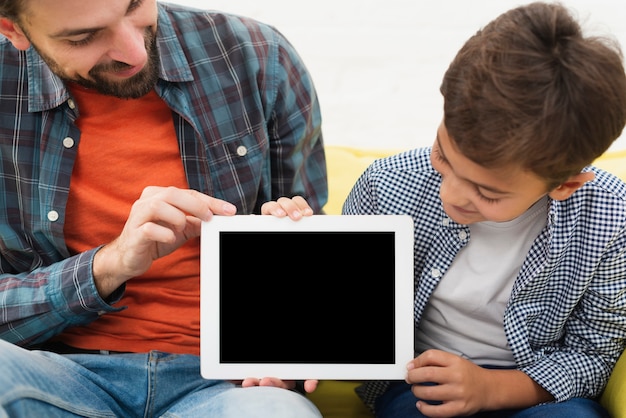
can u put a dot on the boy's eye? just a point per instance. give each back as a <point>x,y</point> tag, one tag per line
<point>488,200</point>
<point>438,155</point>
<point>485,198</point>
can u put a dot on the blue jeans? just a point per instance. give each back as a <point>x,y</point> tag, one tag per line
<point>155,384</point>
<point>399,402</point>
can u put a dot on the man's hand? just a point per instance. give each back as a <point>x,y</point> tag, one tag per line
<point>160,221</point>
<point>309,385</point>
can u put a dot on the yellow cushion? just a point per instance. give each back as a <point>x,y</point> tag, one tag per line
<point>614,396</point>
<point>334,398</point>
<point>613,162</point>
<point>345,165</point>
<point>337,399</point>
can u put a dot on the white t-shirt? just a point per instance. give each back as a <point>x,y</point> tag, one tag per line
<point>465,314</point>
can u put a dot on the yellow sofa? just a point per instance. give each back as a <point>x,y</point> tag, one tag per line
<point>337,399</point>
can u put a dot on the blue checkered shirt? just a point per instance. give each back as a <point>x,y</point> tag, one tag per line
<point>247,120</point>
<point>566,317</point>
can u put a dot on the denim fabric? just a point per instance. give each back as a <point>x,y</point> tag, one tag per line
<point>399,402</point>
<point>155,384</point>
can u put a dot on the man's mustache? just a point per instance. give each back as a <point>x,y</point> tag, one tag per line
<point>111,67</point>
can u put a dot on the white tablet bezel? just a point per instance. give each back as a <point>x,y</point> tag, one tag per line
<point>212,368</point>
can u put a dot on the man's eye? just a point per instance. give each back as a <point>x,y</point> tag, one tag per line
<point>84,41</point>
<point>134,5</point>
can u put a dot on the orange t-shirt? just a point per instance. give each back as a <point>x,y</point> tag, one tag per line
<point>126,145</point>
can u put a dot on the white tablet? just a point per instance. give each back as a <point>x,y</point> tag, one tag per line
<point>326,297</point>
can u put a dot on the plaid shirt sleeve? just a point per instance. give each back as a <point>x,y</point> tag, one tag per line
<point>248,115</point>
<point>42,289</point>
<point>248,122</point>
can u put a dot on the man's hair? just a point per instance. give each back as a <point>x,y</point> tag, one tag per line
<point>11,9</point>
<point>530,89</point>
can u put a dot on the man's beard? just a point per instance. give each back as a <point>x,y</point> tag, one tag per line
<point>132,88</point>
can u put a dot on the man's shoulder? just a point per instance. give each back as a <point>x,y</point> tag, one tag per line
<point>13,64</point>
<point>185,19</point>
<point>7,50</point>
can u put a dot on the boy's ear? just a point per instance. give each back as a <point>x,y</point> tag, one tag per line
<point>14,33</point>
<point>568,187</point>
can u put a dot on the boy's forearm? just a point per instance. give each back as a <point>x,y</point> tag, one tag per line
<point>508,389</point>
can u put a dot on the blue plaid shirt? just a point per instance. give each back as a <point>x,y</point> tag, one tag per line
<point>566,318</point>
<point>247,120</point>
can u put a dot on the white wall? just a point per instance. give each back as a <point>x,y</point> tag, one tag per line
<point>377,65</point>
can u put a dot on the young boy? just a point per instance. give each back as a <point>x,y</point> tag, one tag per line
<point>520,248</point>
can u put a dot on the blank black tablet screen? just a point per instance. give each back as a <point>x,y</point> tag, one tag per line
<point>307,297</point>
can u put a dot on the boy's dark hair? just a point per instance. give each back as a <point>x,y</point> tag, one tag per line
<point>529,89</point>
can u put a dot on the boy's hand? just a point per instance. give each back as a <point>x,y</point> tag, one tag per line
<point>446,384</point>
<point>295,208</point>
<point>449,385</point>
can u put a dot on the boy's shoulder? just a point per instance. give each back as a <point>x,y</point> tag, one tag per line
<point>414,159</point>
<point>609,182</point>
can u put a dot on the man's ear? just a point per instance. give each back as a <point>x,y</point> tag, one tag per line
<point>14,33</point>
<point>568,187</point>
